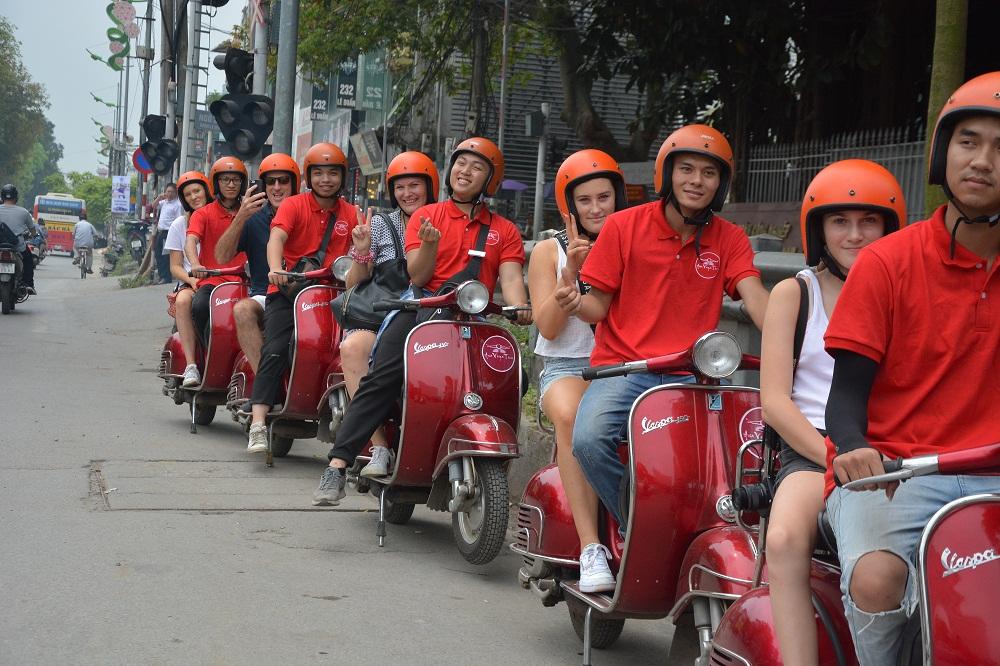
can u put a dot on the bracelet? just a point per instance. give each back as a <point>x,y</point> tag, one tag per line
<point>366,258</point>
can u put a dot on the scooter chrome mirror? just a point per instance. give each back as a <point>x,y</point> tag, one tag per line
<point>716,354</point>
<point>341,267</point>
<point>472,297</point>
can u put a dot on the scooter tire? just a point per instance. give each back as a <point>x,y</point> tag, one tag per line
<point>204,414</point>
<point>7,298</point>
<point>280,446</point>
<point>603,633</point>
<point>480,544</point>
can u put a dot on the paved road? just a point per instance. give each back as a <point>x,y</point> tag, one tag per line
<point>198,554</point>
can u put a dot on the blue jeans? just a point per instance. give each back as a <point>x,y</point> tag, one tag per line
<point>602,422</point>
<point>865,522</point>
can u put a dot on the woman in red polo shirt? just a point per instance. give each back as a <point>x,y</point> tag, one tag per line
<point>847,206</point>
<point>438,239</point>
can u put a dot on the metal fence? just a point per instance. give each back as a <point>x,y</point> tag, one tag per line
<point>781,172</point>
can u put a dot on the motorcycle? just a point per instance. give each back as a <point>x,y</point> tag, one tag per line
<point>957,580</point>
<point>110,260</point>
<point>683,555</point>
<point>12,291</point>
<point>136,237</point>
<point>455,432</point>
<point>215,363</point>
<point>36,251</point>
<point>315,395</point>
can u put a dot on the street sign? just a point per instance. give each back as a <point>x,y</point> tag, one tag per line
<point>347,84</point>
<point>373,80</point>
<point>368,152</point>
<point>204,121</point>
<point>140,162</point>
<point>321,106</point>
<point>120,194</point>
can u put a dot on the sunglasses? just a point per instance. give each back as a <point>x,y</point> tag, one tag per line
<point>229,180</point>
<point>280,180</point>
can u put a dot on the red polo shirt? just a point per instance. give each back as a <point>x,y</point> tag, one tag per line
<point>301,217</point>
<point>208,223</point>
<point>458,236</point>
<point>932,323</point>
<point>664,295</point>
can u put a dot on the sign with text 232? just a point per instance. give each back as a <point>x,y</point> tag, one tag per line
<point>347,84</point>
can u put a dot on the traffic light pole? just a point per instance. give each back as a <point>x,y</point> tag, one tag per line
<point>187,124</point>
<point>284,94</point>
<point>536,227</point>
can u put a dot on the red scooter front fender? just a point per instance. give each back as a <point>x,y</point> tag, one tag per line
<point>474,435</point>
<point>545,526</point>
<point>719,561</point>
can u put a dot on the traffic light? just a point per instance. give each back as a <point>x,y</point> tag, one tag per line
<point>557,148</point>
<point>159,152</point>
<point>238,66</point>
<point>245,120</point>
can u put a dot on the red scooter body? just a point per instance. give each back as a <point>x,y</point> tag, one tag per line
<point>457,430</point>
<point>680,544</point>
<point>215,363</point>
<point>314,373</point>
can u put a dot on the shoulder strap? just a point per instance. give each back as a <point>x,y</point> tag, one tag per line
<point>331,222</point>
<point>800,321</point>
<point>396,240</point>
<point>471,270</point>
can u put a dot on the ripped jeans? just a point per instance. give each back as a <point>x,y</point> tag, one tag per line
<point>865,522</point>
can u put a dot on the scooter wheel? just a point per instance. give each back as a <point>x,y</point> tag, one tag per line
<point>603,633</point>
<point>479,532</point>
<point>280,446</point>
<point>203,414</point>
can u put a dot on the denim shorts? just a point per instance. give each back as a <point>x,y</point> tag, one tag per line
<point>557,367</point>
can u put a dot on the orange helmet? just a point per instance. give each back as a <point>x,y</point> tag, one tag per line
<point>978,96</point>
<point>487,150</point>
<point>582,166</point>
<point>412,163</point>
<point>325,154</point>
<point>186,179</point>
<point>281,162</point>
<point>701,140</point>
<point>228,165</point>
<point>857,184</point>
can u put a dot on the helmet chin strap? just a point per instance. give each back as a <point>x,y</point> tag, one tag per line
<point>831,265</point>
<point>700,221</point>
<point>991,220</point>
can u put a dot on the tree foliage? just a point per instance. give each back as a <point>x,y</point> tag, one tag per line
<point>38,171</point>
<point>22,105</point>
<point>96,191</point>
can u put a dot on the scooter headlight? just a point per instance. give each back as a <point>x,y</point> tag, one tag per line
<point>717,354</point>
<point>472,297</point>
<point>340,268</point>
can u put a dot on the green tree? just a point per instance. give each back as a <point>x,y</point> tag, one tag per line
<point>96,191</point>
<point>22,103</point>
<point>40,164</point>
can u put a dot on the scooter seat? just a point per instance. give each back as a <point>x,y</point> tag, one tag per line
<point>826,532</point>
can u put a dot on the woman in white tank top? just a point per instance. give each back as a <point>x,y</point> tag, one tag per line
<point>589,187</point>
<point>847,206</point>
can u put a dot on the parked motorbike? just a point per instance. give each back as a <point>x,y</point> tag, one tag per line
<point>215,363</point>
<point>315,394</point>
<point>12,291</point>
<point>136,237</point>
<point>682,554</point>
<point>957,578</point>
<point>110,260</point>
<point>455,431</point>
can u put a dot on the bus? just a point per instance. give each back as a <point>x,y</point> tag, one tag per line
<point>60,213</point>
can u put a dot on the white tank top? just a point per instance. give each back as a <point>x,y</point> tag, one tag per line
<point>814,373</point>
<point>576,339</point>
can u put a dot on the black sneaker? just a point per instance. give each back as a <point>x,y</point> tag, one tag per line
<point>31,291</point>
<point>332,488</point>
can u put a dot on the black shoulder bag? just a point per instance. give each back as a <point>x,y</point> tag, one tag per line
<point>771,437</point>
<point>470,272</point>
<point>353,308</point>
<point>308,263</point>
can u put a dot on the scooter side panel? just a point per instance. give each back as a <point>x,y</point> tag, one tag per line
<point>172,357</point>
<point>241,382</point>
<point>720,560</point>
<point>544,519</point>
<point>315,347</point>
<point>223,344</point>
<point>960,580</point>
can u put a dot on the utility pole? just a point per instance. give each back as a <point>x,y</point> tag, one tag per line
<point>147,56</point>
<point>284,94</point>
<point>260,53</point>
<point>503,76</point>
<point>536,229</point>
<point>474,122</point>
<point>190,80</point>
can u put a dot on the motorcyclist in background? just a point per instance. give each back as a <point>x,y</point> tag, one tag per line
<point>19,221</point>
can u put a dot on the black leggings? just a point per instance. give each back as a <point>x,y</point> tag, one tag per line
<point>201,305</point>
<point>279,324</point>
<point>377,393</point>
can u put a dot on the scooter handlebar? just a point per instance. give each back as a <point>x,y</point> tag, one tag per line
<point>605,371</point>
<point>394,304</point>
<point>318,274</point>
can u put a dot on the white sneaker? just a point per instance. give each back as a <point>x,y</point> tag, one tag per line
<point>258,438</point>
<point>191,376</point>
<point>381,462</point>
<point>595,576</point>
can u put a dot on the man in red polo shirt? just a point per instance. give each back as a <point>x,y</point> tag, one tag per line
<point>228,177</point>
<point>297,230</point>
<point>915,339</point>
<point>439,238</point>
<point>657,274</point>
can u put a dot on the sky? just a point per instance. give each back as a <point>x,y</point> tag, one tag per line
<point>54,36</point>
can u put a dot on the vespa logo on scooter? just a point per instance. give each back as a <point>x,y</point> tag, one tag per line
<point>954,563</point>
<point>223,301</point>
<point>649,425</point>
<point>498,353</point>
<point>420,349</point>
<point>306,307</point>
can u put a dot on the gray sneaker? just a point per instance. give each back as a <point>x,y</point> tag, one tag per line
<point>381,462</point>
<point>331,488</point>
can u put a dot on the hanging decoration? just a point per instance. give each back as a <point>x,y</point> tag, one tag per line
<point>122,13</point>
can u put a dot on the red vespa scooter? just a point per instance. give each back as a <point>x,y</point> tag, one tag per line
<point>214,363</point>
<point>315,393</point>
<point>958,576</point>
<point>682,554</point>
<point>457,432</point>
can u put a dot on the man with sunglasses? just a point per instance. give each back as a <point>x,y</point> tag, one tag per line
<point>249,232</point>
